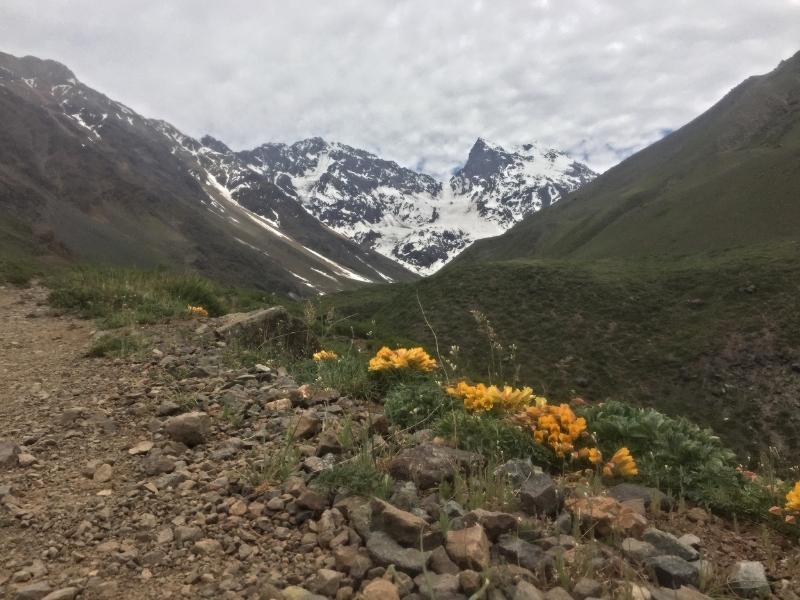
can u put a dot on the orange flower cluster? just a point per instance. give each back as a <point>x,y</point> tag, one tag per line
<point>325,355</point>
<point>557,426</point>
<point>621,465</point>
<point>402,358</point>
<point>197,311</point>
<point>479,398</point>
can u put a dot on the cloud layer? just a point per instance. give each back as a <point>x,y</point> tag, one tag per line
<point>414,81</point>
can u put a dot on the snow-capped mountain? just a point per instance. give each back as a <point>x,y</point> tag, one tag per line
<point>408,216</point>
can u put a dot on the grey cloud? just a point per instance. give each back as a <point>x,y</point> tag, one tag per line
<point>414,81</point>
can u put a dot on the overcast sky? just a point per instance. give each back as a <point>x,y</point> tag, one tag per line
<point>414,81</point>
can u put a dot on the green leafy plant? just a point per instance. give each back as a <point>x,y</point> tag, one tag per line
<point>418,404</point>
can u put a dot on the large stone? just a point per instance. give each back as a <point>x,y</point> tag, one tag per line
<point>405,498</point>
<point>312,501</point>
<point>469,548</point>
<point>557,593</point>
<point>187,533</point>
<point>35,591</point>
<point>206,547</point>
<point>748,579</point>
<point>540,495</point>
<point>517,471</point>
<point>380,589</point>
<point>384,551</point>
<point>405,528</point>
<point>189,428</point>
<point>494,524</point>
<point>682,593</point>
<point>327,582</point>
<point>470,581</point>
<point>586,588</point>
<point>307,425</point>
<point>269,327</point>
<point>441,563</point>
<point>666,543</point>
<point>636,551</point>
<point>523,554</point>
<point>429,464</point>
<point>607,516</point>
<point>67,593</point>
<point>167,409</point>
<point>526,591</point>
<point>103,474</point>
<point>625,492</point>
<point>673,571</point>
<point>437,587</point>
<point>9,451</point>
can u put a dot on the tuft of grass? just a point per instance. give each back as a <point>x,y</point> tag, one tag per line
<point>119,297</point>
<point>274,466</point>
<point>357,478</point>
<point>348,374</point>
<point>491,437</point>
<point>116,346</point>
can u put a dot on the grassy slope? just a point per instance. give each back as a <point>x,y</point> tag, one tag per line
<point>627,328</point>
<point>728,179</point>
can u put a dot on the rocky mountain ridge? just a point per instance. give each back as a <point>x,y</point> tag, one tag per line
<point>114,187</point>
<point>408,216</point>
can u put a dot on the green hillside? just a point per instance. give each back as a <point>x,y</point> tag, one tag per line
<point>728,179</point>
<point>712,336</point>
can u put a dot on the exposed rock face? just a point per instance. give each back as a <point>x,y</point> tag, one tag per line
<point>269,327</point>
<point>429,464</point>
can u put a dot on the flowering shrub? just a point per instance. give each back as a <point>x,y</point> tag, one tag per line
<point>197,311</point>
<point>555,426</point>
<point>325,355</point>
<point>792,505</point>
<point>402,358</point>
<point>621,465</point>
<point>479,398</point>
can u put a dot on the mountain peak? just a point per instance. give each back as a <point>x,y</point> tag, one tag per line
<point>215,145</point>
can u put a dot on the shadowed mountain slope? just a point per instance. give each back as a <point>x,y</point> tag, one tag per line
<point>112,187</point>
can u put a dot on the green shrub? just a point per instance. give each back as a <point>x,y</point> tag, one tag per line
<point>495,439</point>
<point>672,454</point>
<point>19,271</point>
<point>418,404</point>
<point>356,477</point>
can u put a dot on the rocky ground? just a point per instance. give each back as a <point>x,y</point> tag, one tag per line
<point>134,479</point>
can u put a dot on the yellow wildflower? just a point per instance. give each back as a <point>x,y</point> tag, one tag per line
<point>197,311</point>
<point>592,454</point>
<point>793,498</point>
<point>480,398</point>
<point>325,355</point>
<point>402,358</point>
<point>621,464</point>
